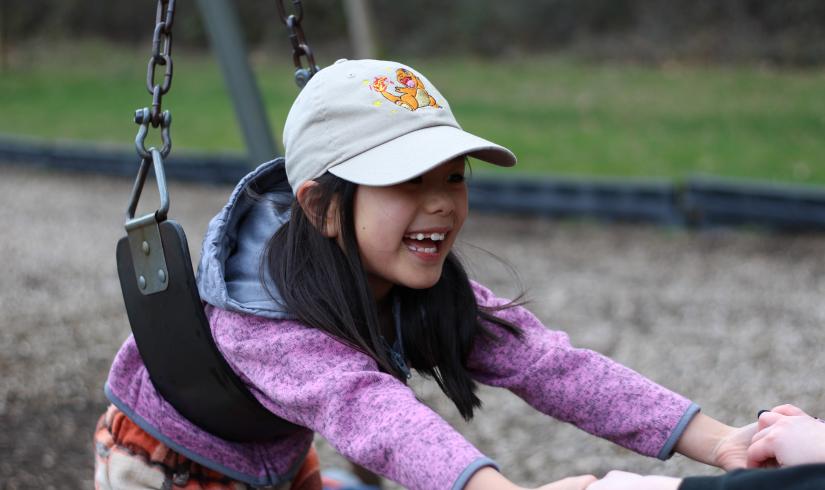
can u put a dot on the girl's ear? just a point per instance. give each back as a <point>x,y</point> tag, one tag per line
<point>307,196</point>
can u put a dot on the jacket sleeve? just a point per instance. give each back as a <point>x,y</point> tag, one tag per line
<point>311,379</point>
<point>578,386</point>
<point>806,477</point>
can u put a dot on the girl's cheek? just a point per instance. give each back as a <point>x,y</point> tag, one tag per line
<point>394,216</point>
<point>372,240</point>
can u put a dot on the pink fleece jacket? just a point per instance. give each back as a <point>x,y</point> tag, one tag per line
<point>311,379</point>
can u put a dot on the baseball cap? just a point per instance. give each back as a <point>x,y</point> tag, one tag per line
<point>375,123</point>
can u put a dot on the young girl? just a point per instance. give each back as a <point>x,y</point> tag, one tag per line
<point>323,292</point>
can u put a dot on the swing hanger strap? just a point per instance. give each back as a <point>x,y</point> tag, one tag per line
<point>300,47</point>
<point>161,56</point>
<point>156,116</point>
<point>155,159</point>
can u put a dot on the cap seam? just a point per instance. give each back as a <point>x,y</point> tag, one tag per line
<point>333,136</point>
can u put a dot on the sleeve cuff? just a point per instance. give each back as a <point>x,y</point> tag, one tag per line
<point>667,450</point>
<point>470,470</point>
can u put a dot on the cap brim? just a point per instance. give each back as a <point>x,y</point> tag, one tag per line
<point>415,153</point>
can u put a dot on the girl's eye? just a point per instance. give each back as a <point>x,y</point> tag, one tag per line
<point>455,178</point>
<point>415,180</point>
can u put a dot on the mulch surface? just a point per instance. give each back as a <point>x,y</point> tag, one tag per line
<point>731,318</point>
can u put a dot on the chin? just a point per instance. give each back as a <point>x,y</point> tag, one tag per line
<point>423,282</point>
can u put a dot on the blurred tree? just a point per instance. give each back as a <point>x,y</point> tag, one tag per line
<point>787,32</point>
<point>359,25</point>
<point>4,35</point>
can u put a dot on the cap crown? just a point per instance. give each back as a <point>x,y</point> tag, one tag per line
<point>353,106</point>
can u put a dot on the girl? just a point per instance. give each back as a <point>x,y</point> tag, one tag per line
<point>322,293</point>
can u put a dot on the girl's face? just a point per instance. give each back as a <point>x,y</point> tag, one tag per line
<point>405,231</point>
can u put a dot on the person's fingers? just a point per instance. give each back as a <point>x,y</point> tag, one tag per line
<point>622,480</point>
<point>760,435</point>
<point>571,483</point>
<point>767,419</point>
<point>613,479</point>
<point>760,452</point>
<point>788,409</point>
<point>616,474</point>
<point>582,481</point>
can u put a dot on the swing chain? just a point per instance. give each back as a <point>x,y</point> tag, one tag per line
<point>299,10</point>
<point>161,55</point>
<point>156,117</point>
<point>300,47</point>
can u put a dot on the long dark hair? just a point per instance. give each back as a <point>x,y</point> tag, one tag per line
<point>324,285</point>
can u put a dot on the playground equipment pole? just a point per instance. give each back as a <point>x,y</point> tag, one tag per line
<point>224,31</point>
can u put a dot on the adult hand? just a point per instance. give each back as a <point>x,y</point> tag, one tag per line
<point>787,409</point>
<point>572,483</point>
<point>622,480</point>
<point>788,436</point>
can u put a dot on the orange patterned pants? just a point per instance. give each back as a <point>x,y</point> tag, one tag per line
<point>128,458</point>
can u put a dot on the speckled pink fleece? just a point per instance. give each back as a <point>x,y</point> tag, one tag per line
<point>313,380</point>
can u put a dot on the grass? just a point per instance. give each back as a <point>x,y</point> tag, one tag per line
<point>560,116</point>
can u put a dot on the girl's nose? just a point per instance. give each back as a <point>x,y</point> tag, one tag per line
<point>438,201</point>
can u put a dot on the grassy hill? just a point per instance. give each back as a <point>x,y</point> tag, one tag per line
<point>560,116</point>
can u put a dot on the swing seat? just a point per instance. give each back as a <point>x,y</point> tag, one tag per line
<point>175,340</point>
<point>165,311</point>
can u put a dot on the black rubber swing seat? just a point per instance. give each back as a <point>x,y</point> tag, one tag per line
<point>176,344</point>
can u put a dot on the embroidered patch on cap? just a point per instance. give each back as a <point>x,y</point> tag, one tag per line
<point>408,91</point>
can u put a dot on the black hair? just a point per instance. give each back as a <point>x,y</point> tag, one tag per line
<point>325,286</point>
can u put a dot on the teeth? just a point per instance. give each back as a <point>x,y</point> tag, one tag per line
<point>432,236</point>
<point>428,250</point>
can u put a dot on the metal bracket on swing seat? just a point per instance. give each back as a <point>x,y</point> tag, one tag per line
<point>145,245</point>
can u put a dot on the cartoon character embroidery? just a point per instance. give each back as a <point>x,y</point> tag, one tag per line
<point>412,96</point>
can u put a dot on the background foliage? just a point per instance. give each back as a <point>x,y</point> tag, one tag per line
<point>782,32</point>
<point>609,88</point>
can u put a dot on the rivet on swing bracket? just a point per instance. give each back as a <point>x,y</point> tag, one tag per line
<point>150,268</point>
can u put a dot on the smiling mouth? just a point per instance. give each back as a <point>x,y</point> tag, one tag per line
<point>427,243</point>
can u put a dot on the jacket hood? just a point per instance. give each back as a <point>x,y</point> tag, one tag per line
<point>233,247</point>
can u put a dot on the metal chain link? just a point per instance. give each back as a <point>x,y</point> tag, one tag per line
<point>161,56</point>
<point>156,117</point>
<point>300,47</point>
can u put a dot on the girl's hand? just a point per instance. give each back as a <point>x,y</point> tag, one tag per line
<point>787,436</point>
<point>622,480</point>
<point>572,483</point>
<point>711,442</point>
<point>732,450</point>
